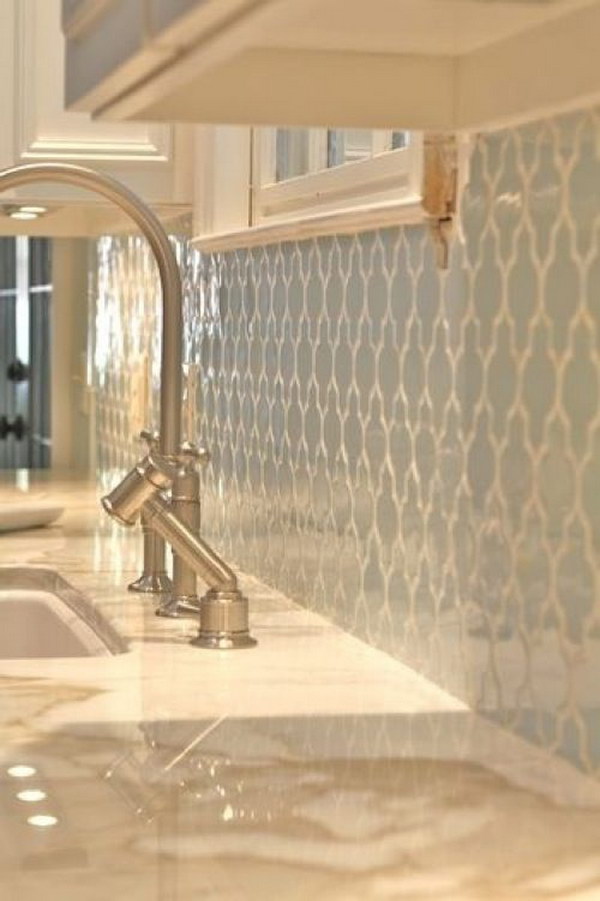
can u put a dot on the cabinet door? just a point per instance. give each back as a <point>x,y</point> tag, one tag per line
<point>142,156</point>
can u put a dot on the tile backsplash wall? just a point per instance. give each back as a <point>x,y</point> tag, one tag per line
<point>531,424</point>
<point>413,453</point>
<point>328,380</point>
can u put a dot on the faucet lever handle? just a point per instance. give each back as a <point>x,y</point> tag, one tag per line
<point>152,438</point>
<point>191,454</point>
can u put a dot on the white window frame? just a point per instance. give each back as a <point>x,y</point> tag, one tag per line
<point>237,205</point>
<point>391,178</point>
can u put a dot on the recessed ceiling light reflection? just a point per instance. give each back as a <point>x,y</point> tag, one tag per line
<point>42,819</point>
<point>20,771</point>
<point>23,214</point>
<point>33,209</point>
<point>31,795</point>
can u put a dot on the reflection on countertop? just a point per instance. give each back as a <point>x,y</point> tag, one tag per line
<point>312,767</point>
<point>349,808</point>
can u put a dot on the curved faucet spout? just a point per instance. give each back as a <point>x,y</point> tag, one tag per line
<point>172,327</point>
<point>223,609</point>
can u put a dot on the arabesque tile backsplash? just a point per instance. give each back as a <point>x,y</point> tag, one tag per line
<point>414,453</point>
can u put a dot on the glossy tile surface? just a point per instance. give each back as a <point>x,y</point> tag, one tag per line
<point>413,453</point>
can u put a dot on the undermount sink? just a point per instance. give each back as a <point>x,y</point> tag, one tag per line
<point>42,616</point>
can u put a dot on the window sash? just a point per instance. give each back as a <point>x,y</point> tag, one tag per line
<point>388,177</point>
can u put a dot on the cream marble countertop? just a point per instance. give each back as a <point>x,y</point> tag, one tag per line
<point>312,766</point>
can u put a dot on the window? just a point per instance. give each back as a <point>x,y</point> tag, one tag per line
<point>25,310</point>
<point>274,184</point>
<point>300,151</point>
<point>311,172</point>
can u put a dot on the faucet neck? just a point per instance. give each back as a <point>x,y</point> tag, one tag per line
<point>170,280</point>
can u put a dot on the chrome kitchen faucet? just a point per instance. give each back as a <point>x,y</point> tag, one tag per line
<point>169,465</point>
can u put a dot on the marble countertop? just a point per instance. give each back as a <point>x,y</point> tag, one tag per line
<point>310,767</point>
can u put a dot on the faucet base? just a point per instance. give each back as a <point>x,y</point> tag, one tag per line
<point>179,606</point>
<point>223,621</point>
<point>223,641</point>
<point>151,583</point>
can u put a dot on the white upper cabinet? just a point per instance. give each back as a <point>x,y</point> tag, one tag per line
<point>152,160</point>
<point>412,64</point>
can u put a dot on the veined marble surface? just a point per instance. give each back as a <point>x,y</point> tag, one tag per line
<point>311,767</point>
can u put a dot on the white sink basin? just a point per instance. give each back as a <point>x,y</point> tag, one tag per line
<point>27,514</point>
<point>43,616</point>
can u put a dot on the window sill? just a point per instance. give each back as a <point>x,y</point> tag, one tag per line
<point>409,211</point>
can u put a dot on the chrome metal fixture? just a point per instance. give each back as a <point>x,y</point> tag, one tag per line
<point>154,578</point>
<point>185,502</point>
<point>169,464</point>
<point>223,609</point>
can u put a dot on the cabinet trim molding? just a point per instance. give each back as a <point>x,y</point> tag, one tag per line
<point>30,144</point>
<point>348,221</point>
